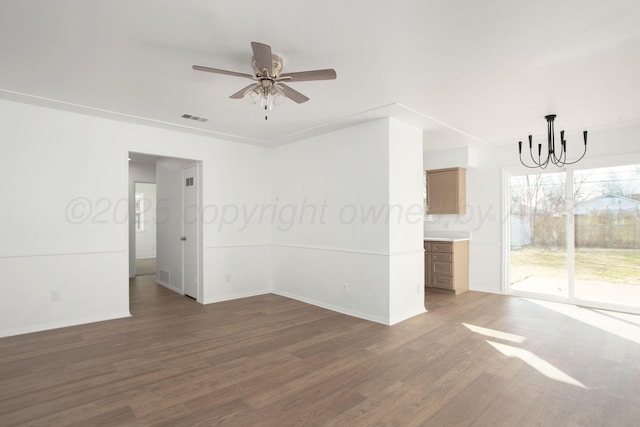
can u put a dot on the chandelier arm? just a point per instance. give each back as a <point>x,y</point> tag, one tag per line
<point>531,152</point>
<point>578,159</point>
<point>533,160</point>
<point>545,163</point>
<point>542,163</point>
<point>535,166</point>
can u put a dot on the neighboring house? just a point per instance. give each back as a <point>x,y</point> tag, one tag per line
<point>608,204</point>
<point>608,221</point>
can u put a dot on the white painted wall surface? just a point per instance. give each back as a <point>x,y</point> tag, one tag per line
<point>63,222</point>
<point>330,242</point>
<point>67,226</point>
<point>406,248</point>
<point>236,242</point>
<point>333,241</point>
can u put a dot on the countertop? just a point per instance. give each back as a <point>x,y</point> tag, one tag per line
<point>446,239</point>
<point>447,236</point>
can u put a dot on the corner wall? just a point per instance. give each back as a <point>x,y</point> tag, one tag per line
<point>406,249</point>
<point>64,251</point>
<point>334,243</point>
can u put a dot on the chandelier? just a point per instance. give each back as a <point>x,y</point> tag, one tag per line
<point>555,154</point>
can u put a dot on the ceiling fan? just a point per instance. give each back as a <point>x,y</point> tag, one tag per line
<point>268,86</point>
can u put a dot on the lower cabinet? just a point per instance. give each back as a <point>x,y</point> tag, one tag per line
<point>447,265</point>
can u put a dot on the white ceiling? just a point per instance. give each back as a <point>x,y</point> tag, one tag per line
<point>468,72</point>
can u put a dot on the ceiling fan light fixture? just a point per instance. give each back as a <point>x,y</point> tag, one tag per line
<point>278,95</point>
<point>252,95</point>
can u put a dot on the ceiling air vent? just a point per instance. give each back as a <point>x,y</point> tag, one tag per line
<point>196,118</point>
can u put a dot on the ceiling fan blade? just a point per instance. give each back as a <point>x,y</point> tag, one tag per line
<point>263,58</point>
<point>303,76</point>
<point>218,71</point>
<point>293,94</point>
<point>240,94</point>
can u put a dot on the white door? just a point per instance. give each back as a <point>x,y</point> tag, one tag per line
<point>190,219</point>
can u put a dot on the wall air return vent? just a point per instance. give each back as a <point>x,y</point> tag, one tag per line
<point>164,278</point>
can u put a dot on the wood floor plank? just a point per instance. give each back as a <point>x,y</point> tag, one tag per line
<point>269,360</point>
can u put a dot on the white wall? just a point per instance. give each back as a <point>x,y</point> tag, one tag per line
<point>63,222</point>
<point>484,217</point>
<point>332,241</point>
<point>64,229</point>
<point>236,242</point>
<point>406,249</point>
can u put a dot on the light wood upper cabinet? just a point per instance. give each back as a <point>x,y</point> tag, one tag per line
<point>447,191</point>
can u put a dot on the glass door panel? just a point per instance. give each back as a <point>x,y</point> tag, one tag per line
<point>607,235</point>
<point>538,250</point>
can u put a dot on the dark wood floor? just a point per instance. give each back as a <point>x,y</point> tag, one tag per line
<point>273,361</point>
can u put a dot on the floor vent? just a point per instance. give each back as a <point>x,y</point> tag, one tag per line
<point>164,276</point>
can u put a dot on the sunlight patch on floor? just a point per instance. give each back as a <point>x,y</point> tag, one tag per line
<point>540,365</point>
<point>493,333</point>
<point>619,327</point>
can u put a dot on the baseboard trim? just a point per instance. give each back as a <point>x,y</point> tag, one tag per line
<point>61,324</point>
<point>342,310</point>
<point>236,296</point>
<point>169,286</point>
<point>404,317</point>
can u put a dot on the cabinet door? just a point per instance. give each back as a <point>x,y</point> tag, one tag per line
<point>441,268</point>
<point>446,191</point>
<point>442,247</point>
<point>445,282</point>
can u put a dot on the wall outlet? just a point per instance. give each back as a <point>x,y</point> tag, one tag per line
<point>55,295</point>
<point>345,287</point>
<point>228,278</point>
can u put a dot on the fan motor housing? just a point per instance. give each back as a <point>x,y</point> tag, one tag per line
<point>276,66</point>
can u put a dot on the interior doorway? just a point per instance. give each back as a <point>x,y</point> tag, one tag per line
<point>145,228</point>
<point>163,241</point>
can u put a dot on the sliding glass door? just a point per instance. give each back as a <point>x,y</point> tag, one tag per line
<point>538,256</point>
<point>575,236</point>
<point>607,235</point>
